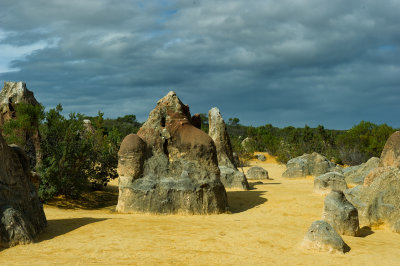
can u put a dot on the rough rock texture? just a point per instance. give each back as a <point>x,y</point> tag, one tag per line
<point>378,200</point>
<point>309,164</point>
<point>356,174</point>
<point>22,216</point>
<point>170,166</point>
<point>261,157</point>
<point>325,183</point>
<point>257,172</point>
<point>322,237</point>
<point>390,155</point>
<point>12,94</point>
<point>341,214</point>
<point>231,177</point>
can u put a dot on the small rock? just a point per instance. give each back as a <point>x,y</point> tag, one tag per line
<point>322,237</point>
<point>341,214</point>
<point>261,157</point>
<point>257,172</point>
<point>325,183</point>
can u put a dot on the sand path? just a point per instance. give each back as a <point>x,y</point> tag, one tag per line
<point>265,227</point>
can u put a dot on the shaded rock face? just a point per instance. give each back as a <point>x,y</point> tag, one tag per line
<point>356,174</point>
<point>390,155</point>
<point>325,183</point>
<point>231,177</point>
<point>257,172</point>
<point>322,237</point>
<point>341,214</point>
<point>22,215</point>
<point>170,166</point>
<point>309,164</point>
<point>378,200</point>
<point>12,94</point>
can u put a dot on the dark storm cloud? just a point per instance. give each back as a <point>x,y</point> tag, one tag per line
<point>281,62</point>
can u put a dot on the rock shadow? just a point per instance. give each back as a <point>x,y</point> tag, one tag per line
<point>365,231</point>
<point>252,184</point>
<point>240,201</point>
<point>59,227</point>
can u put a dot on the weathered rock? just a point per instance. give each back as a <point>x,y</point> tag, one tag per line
<point>170,166</point>
<point>322,237</point>
<point>390,155</point>
<point>261,157</point>
<point>12,94</point>
<point>248,144</point>
<point>378,200</point>
<point>21,213</point>
<point>325,183</point>
<point>231,177</point>
<point>309,164</point>
<point>257,172</point>
<point>341,214</point>
<point>356,174</point>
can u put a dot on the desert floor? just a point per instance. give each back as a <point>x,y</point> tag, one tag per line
<point>265,226</point>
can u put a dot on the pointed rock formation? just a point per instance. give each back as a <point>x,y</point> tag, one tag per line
<point>22,216</point>
<point>12,94</point>
<point>390,155</point>
<point>231,177</point>
<point>170,166</point>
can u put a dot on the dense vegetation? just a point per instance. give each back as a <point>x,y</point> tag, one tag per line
<point>77,155</point>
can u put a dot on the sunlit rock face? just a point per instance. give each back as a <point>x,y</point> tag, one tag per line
<point>170,166</point>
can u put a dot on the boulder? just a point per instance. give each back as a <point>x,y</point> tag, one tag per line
<point>322,237</point>
<point>21,214</point>
<point>325,183</point>
<point>257,172</point>
<point>261,157</point>
<point>12,94</point>
<point>231,177</point>
<point>356,174</point>
<point>378,199</point>
<point>390,155</point>
<point>309,164</point>
<point>341,214</point>
<point>170,166</point>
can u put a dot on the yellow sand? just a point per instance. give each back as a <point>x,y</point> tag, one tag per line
<point>265,227</point>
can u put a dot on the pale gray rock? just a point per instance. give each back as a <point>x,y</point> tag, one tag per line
<point>322,237</point>
<point>248,144</point>
<point>261,157</point>
<point>231,177</point>
<point>170,166</point>
<point>356,174</point>
<point>341,214</point>
<point>325,183</point>
<point>378,199</point>
<point>310,164</point>
<point>257,172</point>
<point>21,214</point>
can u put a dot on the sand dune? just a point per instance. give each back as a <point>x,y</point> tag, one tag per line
<point>265,226</point>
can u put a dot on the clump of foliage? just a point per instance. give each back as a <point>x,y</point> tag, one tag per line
<point>74,156</point>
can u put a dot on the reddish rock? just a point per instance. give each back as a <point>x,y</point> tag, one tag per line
<point>391,152</point>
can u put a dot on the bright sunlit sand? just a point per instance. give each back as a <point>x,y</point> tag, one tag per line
<point>265,226</point>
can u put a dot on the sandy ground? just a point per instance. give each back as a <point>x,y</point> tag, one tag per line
<point>265,226</point>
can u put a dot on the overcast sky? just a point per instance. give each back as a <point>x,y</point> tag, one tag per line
<point>281,62</point>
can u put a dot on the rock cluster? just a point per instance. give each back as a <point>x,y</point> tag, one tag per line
<point>231,177</point>
<point>261,157</point>
<point>322,237</point>
<point>21,213</point>
<point>12,94</point>
<point>378,198</point>
<point>325,183</point>
<point>341,214</point>
<point>170,166</point>
<point>356,174</point>
<point>309,164</point>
